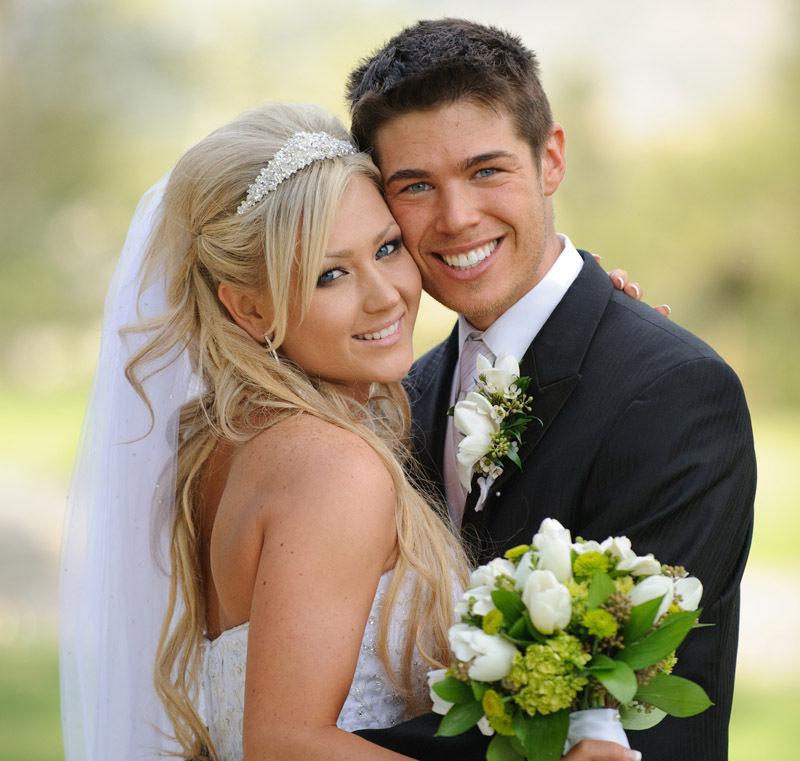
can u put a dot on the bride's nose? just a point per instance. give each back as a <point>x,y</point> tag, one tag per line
<point>380,291</point>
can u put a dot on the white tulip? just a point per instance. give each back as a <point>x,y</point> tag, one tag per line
<point>440,705</point>
<point>643,565</point>
<point>688,592</point>
<point>552,527</point>
<point>547,600</point>
<point>619,547</point>
<point>489,656</point>
<point>590,546</point>
<point>554,545</point>
<point>473,415</point>
<point>651,587</point>
<point>501,375</point>
<point>524,569</point>
<point>487,575</point>
<point>473,418</point>
<point>470,450</point>
<point>480,598</point>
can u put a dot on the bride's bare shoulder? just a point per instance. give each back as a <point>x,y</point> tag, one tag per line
<point>303,457</point>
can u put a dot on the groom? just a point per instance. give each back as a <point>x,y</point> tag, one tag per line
<point>644,429</point>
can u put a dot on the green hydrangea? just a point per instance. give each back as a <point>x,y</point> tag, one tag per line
<point>548,676</point>
<point>600,623</point>
<point>587,564</point>
<point>498,712</point>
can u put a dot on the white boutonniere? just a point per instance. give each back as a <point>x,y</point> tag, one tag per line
<point>492,419</point>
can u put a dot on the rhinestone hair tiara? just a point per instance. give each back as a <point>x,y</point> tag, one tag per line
<point>300,150</point>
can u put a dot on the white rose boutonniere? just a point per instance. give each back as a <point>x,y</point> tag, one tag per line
<point>492,419</point>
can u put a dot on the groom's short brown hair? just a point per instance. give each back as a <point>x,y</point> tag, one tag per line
<point>437,63</point>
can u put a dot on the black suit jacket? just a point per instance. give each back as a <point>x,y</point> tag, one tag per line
<point>645,433</point>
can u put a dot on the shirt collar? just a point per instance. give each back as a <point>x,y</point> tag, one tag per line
<point>514,330</point>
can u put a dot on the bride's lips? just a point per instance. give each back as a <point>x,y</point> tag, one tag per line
<point>382,336</point>
<point>468,258</point>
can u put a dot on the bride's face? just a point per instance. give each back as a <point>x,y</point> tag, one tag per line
<point>358,327</point>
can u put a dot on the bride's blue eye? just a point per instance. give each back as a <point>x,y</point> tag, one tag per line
<point>388,248</point>
<point>330,275</point>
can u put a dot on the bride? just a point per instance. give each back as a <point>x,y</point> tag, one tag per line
<point>241,511</point>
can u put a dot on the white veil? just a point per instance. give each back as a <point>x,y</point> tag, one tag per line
<point>114,585</point>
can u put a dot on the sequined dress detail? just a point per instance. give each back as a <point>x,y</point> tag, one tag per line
<point>371,703</point>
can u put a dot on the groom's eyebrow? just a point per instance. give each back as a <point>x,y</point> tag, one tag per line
<point>408,174</point>
<point>466,165</point>
<point>377,240</point>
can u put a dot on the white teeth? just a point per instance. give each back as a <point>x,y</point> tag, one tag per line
<point>471,258</point>
<point>385,333</point>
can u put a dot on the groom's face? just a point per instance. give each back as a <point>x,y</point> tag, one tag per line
<point>473,204</point>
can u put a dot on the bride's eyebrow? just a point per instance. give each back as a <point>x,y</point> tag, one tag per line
<point>377,240</point>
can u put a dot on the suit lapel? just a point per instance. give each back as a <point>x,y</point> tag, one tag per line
<point>553,363</point>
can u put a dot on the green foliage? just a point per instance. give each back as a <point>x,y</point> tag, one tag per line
<point>504,748</point>
<point>659,644</point>
<point>460,718</point>
<point>542,737</point>
<point>601,588</point>
<point>641,619</point>
<point>30,728</point>
<point>616,676</point>
<point>674,695</point>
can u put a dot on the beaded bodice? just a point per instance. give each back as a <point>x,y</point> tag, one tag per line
<point>371,703</point>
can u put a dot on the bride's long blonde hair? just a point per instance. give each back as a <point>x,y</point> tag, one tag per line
<point>277,248</point>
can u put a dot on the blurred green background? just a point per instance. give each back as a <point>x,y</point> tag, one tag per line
<point>684,168</point>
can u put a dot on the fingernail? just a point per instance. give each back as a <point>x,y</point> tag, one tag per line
<point>621,282</point>
<point>633,755</point>
<point>668,308</point>
<point>636,288</point>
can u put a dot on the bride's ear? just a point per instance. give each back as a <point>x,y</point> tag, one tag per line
<point>250,311</point>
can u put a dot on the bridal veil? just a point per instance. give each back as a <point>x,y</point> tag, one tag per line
<point>114,564</point>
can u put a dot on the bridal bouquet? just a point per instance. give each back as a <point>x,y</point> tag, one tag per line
<point>561,627</point>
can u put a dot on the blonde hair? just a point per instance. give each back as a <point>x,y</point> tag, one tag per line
<point>276,248</point>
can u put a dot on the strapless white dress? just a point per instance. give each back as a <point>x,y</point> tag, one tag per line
<point>371,703</point>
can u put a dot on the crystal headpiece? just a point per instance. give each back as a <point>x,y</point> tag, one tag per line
<point>300,150</point>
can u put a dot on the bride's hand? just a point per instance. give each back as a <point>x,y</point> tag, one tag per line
<point>598,750</point>
<point>622,283</point>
